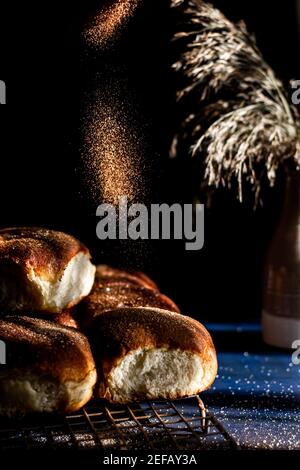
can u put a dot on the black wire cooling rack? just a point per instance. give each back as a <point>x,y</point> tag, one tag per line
<point>168,425</point>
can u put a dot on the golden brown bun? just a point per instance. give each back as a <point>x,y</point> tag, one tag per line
<point>46,251</point>
<point>42,270</point>
<point>136,339</point>
<point>108,275</point>
<point>124,295</point>
<point>49,367</point>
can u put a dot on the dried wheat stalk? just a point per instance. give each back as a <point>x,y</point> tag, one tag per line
<point>235,113</point>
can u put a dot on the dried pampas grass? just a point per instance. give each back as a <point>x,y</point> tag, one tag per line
<point>234,112</point>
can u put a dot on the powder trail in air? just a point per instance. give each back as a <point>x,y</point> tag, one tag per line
<point>108,22</point>
<point>112,152</point>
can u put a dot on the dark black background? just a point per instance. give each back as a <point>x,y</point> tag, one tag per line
<point>39,60</point>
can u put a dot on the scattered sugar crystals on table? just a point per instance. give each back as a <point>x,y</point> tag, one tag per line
<point>257,398</point>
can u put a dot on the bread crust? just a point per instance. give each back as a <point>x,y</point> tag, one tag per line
<point>65,318</point>
<point>114,296</point>
<point>113,276</point>
<point>45,348</point>
<point>119,332</point>
<point>42,271</point>
<point>45,251</point>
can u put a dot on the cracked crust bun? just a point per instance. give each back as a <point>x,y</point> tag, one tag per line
<point>150,353</point>
<point>42,270</point>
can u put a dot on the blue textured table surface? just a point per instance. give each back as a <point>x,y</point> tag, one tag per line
<point>257,392</point>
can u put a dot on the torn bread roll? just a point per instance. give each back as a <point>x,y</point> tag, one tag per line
<point>114,296</point>
<point>49,368</point>
<point>149,353</point>
<point>42,270</point>
<point>113,276</point>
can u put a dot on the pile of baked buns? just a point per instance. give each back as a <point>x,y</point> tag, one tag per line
<point>72,331</point>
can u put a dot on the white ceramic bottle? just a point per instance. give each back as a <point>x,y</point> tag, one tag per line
<point>281,284</point>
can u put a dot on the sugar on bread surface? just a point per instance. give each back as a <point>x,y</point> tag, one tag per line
<point>150,353</point>
<point>42,270</point>
<point>64,318</point>
<point>113,276</point>
<point>49,367</point>
<point>110,297</point>
<point>143,349</point>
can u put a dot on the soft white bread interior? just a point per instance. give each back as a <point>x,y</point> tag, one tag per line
<point>42,270</point>
<point>150,353</point>
<point>158,373</point>
<point>23,393</point>
<point>75,284</point>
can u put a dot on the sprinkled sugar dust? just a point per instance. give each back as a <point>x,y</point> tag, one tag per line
<point>256,397</point>
<point>113,148</point>
<point>117,152</point>
<point>117,158</point>
<point>112,134</point>
<point>108,22</point>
